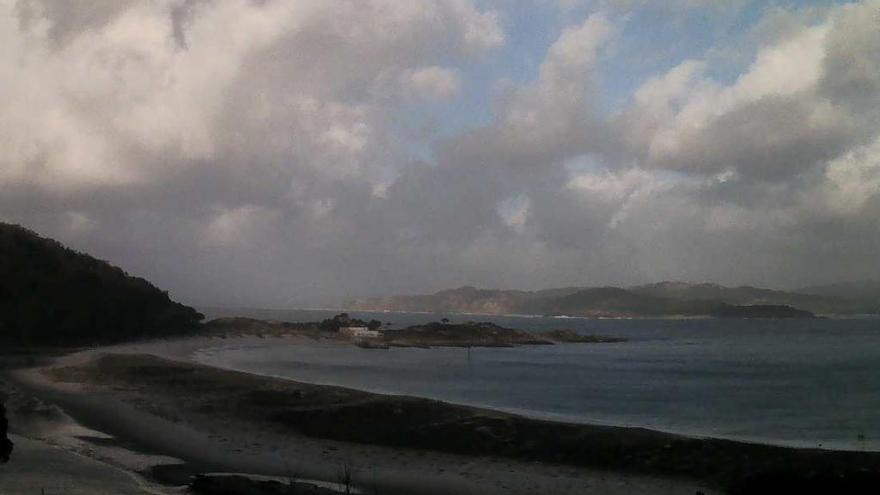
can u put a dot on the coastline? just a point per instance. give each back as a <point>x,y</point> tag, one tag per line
<point>154,397</point>
<point>549,416</point>
<point>214,443</point>
<point>647,317</point>
<point>410,373</point>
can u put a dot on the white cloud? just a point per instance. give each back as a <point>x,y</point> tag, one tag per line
<point>239,226</point>
<point>614,187</point>
<point>514,212</point>
<point>482,29</point>
<point>788,113</point>
<point>431,83</point>
<point>854,179</point>
<point>789,69</point>
<point>101,108</point>
<point>555,113</point>
<point>80,223</point>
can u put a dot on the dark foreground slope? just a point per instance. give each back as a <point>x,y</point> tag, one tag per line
<point>52,295</point>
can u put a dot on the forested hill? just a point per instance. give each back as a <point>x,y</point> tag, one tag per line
<point>665,299</point>
<point>53,295</point>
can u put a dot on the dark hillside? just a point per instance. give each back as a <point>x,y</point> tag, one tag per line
<point>749,296</point>
<point>613,301</point>
<point>53,295</point>
<point>865,293</point>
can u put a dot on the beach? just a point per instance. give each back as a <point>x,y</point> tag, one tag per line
<point>201,428</point>
<point>152,413</point>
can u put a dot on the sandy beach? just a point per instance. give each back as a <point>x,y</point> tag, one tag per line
<point>195,433</point>
<point>145,418</point>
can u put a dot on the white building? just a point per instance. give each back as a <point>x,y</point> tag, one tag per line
<point>359,332</point>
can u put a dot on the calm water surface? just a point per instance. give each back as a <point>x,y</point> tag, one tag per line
<point>791,382</point>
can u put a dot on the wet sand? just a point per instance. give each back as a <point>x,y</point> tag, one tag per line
<point>40,468</point>
<point>200,417</point>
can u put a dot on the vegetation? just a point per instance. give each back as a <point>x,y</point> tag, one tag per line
<point>343,320</point>
<point>822,303</point>
<point>435,334</point>
<point>666,299</point>
<point>469,334</point>
<point>614,302</point>
<point>52,295</point>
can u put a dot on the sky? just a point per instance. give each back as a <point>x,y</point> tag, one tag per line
<point>271,153</point>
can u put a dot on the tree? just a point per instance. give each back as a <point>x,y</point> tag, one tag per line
<point>52,295</point>
<point>374,325</point>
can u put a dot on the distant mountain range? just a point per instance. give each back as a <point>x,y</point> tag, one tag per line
<point>664,299</point>
<point>52,295</point>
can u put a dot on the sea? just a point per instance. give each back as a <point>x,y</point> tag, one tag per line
<point>798,382</point>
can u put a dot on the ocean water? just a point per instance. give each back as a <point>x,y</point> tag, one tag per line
<point>813,383</point>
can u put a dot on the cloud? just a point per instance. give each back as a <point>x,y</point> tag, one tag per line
<point>853,180</point>
<point>431,83</point>
<point>281,153</point>
<point>241,113</point>
<point>238,226</point>
<point>514,212</point>
<point>759,122</point>
<point>97,109</point>
<point>539,123</point>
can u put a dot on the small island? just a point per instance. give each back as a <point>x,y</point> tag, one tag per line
<point>374,335</point>
<point>483,334</point>
<point>468,334</point>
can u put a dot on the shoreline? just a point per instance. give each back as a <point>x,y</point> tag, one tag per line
<point>121,390</point>
<point>560,317</point>
<point>551,417</point>
<point>828,446</point>
<point>223,312</point>
<point>211,443</point>
<point>563,418</point>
